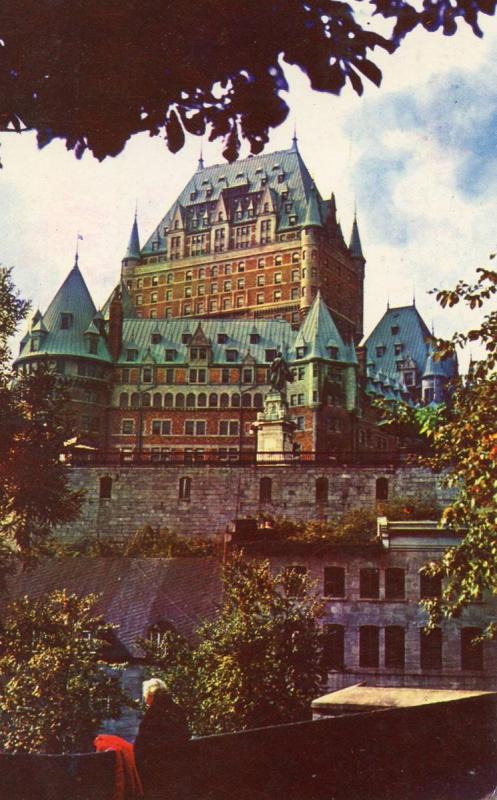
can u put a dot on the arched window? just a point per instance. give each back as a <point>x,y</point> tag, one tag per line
<point>135,399</point>
<point>157,400</point>
<point>190,400</point>
<point>265,490</point>
<point>202,400</point>
<point>180,400</point>
<point>123,400</point>
<point>247,400</point>
<point>168,400</point>
<point>146,400</point>
<point>258,400</point>
<point>105,487</point>
<point>213,400</point>
<point>382,488</point>
<point>184,488</point>
<point>235,400</point>
<point>322,490</point>
<point>225,400</point>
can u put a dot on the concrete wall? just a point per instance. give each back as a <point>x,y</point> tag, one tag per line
<point>142,495</point>
<point>441,751</point>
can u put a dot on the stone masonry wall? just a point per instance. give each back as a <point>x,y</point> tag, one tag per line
<point>218,495</point>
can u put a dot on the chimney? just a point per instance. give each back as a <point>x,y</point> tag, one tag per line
<point>361,358</point>
<point>115,324</point>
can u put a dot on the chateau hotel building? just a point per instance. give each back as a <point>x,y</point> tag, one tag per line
<point>249,261</point>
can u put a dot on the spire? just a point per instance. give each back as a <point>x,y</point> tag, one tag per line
<point>294,138</point>
<point>133,250</point>
<point>200,165</point>
<point>312,215</point>
<point>355,246</point>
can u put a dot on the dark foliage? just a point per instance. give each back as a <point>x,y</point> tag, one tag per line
<point>96,73</point>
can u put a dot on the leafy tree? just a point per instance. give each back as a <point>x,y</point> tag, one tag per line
<point>35,494</point>
<point>55,689</point>
<point>94,74</point>
<point>463,436</point>
<point>257,663</point>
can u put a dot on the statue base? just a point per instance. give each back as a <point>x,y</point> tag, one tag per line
<point>275,430</point>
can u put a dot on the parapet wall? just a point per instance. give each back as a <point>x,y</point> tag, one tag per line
<point>213,496</point>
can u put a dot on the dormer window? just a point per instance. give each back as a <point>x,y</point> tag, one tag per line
<point>92,345</point>
<point>131,355</point>
<point>398,349</point>
<point>155,338</point>
<point>333,351</point>
<point>394,329</point>
<point>170,354</point>
<point>198,353</point>
<point>186,338</point>
<point>65,321</point>
<point>380,351</point>
<point>300,352</point>
<point>35,344</point>
<point>271,354</point>
<point>254,338</point>
<point>231,355</point>
<point>222,338</point>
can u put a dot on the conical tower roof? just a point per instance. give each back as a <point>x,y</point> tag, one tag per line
<point>355,246</point>
<point>133,250</point>
<point>73,298</point>
<point>312,214</point>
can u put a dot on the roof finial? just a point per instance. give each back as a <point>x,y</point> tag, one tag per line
<point>388,302</point>
<point>76,256</point>
<point>414,295</point>
<point>201,157</point>
<point>294,137</point>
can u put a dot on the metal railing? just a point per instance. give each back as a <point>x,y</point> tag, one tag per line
<point>240,459</point>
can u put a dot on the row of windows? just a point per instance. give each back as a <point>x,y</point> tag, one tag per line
<point>394,583</point>
<point>202,400</point>
<point>231,354</point>
<point>191,427</point>
<point>394,649</point>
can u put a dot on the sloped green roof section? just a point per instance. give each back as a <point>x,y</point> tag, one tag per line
<point>73,299</point>
<point>319,333</point>
<point>283,171</point>
<point>355,245</point>
<point>133,250</point>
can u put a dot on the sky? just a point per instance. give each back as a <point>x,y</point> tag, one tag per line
<point>416,157</point>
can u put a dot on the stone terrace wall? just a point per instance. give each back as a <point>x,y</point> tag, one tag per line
<point>218,495</point>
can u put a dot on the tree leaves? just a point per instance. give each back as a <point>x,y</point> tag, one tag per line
<point>97,77</point>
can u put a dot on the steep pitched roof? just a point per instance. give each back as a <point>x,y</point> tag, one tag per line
<point>129,311</point>
<point>403,325</point>
<point>134,593</point>
<point>355,245</point>
<point>244,177</point>
<point>133,250</point>
<point>319,333</point>
<point>74,299</point>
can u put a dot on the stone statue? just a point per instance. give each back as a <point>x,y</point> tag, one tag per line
<point>279,374</point>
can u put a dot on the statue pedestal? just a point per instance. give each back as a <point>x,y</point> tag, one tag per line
<point>275,430</point>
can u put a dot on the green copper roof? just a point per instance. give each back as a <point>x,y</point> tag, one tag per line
<point>319,333</point>
<point>243,182</point>
<point>68,317</point>
<point>312,215</point>
<point>401,326</point>
<point>434,367</point>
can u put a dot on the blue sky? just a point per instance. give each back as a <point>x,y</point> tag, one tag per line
<point>418,156</point>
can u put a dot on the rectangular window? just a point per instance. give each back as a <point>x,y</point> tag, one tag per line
<point>170,355</point>
<point>300,423</point>
<point>260,298</point>
<point>430,586</point>
<point>369,646</point>
<point>369,583</point>
<point>277,296</point>
<point>147,374</point>
<point>247,375</point>
<point>380,351</point>
<point>333,647</point>
<point>394,647</point>
<point>471,651</point>
<point>228,427</point>
<point>431,649</point>
<point>197,376</point>
<point>231,355</point>
<point>225,375</point>
<point>395,584</point>
<point>270,355</point>
<point>131,355</point>
<point>189,427</point>
<point>127,426</point>
<point>277,277</point>
<point>334,582</point>
<point>260,280</point>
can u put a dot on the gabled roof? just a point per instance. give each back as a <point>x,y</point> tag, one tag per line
<point>199,337</point>
<point>134,593</point>
<point>319,332</point>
